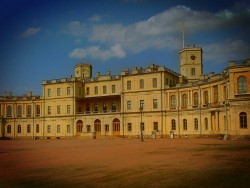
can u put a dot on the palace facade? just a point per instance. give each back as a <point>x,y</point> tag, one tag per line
<point>153,100</point>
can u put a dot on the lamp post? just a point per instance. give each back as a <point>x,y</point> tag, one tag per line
<point>141,109</point>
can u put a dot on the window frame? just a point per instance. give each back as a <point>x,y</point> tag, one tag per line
<point>173,125</point>
<point>155,103</point>
<point>196,124</point>
<point>154,82</point>
<point>185,124</point>
<point>242,84</point>
<point>243,120</point>
<point>129,85</point>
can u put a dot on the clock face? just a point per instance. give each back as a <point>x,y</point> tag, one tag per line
<point>193,57</point>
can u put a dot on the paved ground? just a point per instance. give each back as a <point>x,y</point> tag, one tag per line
<point>125,163</point>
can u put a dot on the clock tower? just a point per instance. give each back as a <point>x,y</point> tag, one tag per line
<point>83,71</point>
<point>191,63</point>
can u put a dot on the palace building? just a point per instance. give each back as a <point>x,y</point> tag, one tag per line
<point>152,101</point>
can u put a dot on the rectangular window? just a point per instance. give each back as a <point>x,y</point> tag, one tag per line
<point>58,91</point>
<point>166,81</point>
<point>128,105</point>
<point>58,109</point>
<point>28,128</point>
<point>96,107</point>
<point>80,91</point>
<point>141,83</point>
<point>129,85</point>
<point>155,103</point>
<point>155,126</point>
<point>87,107</point>
<point>49,109</point>
<point>113,106</point>
<point>87,91</point>
<point>154,82</point>
<point>37,128</point>
<point>68,109</point>
<point>68,128</point>
<point>105,106</point>
<point>68,90</point>
<point>215,89</point>
<point>96,90</point>
<point>104,89</point>
<point>173,101</point>
<point>142,104</point>
<point>58,128</point>
<point>28,110</point>
<point>49,92</point>
<point>113,88</point>
<point>48,129</point>
<point>129,127</point>
<point>193,71</point>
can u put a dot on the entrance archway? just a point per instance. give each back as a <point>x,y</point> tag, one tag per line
<point>79,125</point>
<point>116,126</point>
<point>97,125</point>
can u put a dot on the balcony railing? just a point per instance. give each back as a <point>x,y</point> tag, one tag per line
<point>98,112</point>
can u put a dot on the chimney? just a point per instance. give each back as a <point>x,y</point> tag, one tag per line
<point>5,94</point>
<point>211,74</point>
<point>231,63</point>
<point>29,94</point>
<point>109,73</point>
<point>10,94</point>
<point>126,70</point>
<point>97,74</point>
<point>180,79</point>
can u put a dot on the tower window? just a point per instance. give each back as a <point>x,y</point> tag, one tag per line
<point>193,71</point>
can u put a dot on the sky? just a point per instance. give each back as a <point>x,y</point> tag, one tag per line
<point>44,40</point>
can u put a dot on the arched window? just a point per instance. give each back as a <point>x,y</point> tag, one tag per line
<point>195,99</point>
<point>184,100</point>
<point>173,125</point>
<point>173,101</point>
<point>243,120</point>
<point>97,125</point>
<point>19,111</point>
<point>9,111</point>
<point>9,129</point>
<point>184,124</point>
<point>205,97</point>
<point>206,123</point>
<point>116,125</point>
<point>19,129</point>
<point>28,128</point>
<point>79,126</point>
<point>242,85</point>
<point>195,124</point>
<point>37,128</point>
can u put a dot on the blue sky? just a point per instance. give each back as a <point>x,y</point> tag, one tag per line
<point>43,40</point>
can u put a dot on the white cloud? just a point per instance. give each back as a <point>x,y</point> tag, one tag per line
<point>74,28</point>
<point>30,31</point>
<point>97,53</point>
<point>227,50</point>
<point>162,31</point>
<point>95,18</point>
